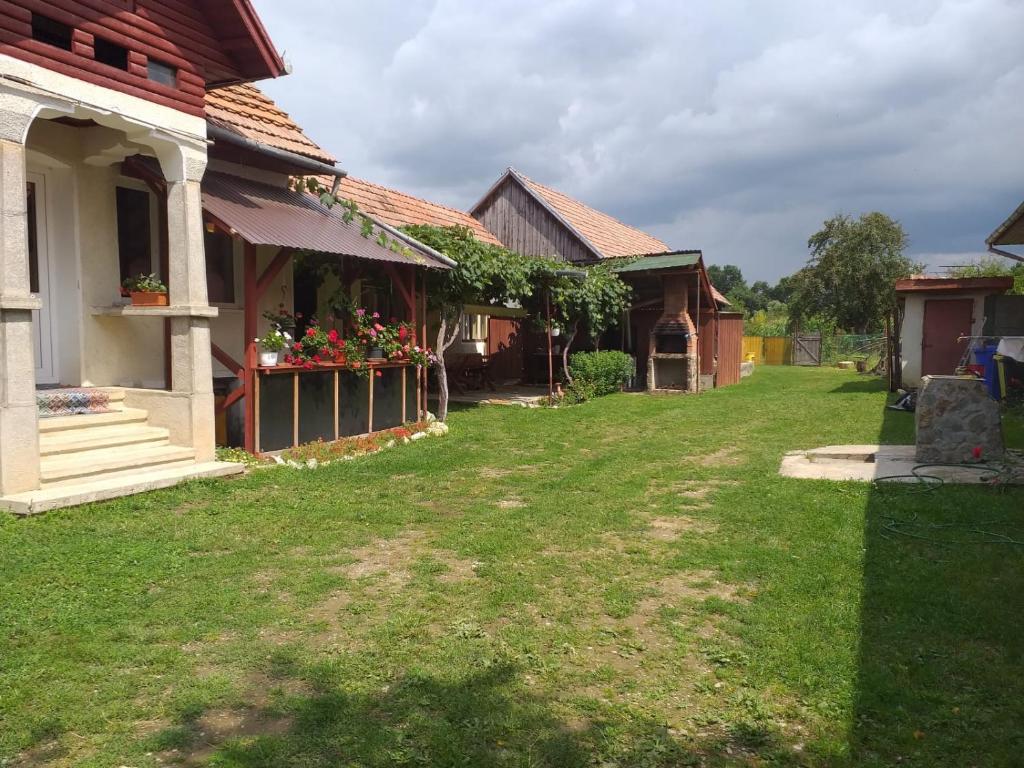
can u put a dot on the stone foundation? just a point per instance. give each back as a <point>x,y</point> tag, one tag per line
<point>954,417</point>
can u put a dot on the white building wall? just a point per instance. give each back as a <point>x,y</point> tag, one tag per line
<point>912,333</point>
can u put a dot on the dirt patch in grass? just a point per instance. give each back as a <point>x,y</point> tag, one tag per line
<point>492,473</point>
<point>216,727</point>
<point>513,502</point>
<point>671,528</point>
<point>394,558</point>
<point>724,457</point>
<point>691,585</point>
<point>391,557</point>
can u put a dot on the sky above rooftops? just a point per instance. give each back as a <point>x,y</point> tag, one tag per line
<point>734,127</point>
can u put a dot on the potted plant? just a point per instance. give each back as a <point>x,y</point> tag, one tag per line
<point>270,347</point>
<point>146,291</point>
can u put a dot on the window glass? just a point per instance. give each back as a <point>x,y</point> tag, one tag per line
<point>46,30</point>
<point>33,241</point>
<point>162,73</point>
<point>111,54</point>
<point>134,233</point>
<point>474,327</point>
<point>220,268</point>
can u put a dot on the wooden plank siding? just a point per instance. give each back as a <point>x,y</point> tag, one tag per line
<point>730,347</point>
<point>525,226</point>
<point>174,32</point>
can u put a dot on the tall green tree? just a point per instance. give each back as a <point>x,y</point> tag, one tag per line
<point>850,278</point>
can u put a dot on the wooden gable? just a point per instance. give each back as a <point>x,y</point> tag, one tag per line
<point>525,225</point>
<point>166,51</point>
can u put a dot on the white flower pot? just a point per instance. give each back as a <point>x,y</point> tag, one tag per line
<point>268,359</point>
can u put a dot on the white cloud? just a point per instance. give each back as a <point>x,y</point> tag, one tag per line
<point>733,126</point>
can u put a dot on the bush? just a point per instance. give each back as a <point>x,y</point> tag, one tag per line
<point>598,373</point>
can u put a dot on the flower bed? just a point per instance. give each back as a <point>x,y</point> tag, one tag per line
<point>322,452</point>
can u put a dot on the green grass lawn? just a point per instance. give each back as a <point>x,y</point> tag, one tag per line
<point>624,583</point>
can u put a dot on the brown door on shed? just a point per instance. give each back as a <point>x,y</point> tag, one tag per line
<point>945,320</point>
<point>505,349</point>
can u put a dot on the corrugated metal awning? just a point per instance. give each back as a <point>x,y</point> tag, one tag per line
<point>661,261</point>
<point>266,215</point>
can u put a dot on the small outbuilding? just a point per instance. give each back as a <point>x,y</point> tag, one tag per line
<point>938,317</point>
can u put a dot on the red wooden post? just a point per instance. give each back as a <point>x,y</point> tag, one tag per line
<point>423,343</point>
<point>251,326</point>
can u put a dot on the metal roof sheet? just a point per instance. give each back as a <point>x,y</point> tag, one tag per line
<point>1011,231</point>
<point>661,261</point>
<point>266,215</point>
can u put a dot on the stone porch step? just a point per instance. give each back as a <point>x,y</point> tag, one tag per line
<point>110,487</point>
<point>85,421</point>
<point>109,462</point>
<point>104,436</point>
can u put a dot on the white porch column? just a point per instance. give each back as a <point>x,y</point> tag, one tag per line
<point>191,360</point>
<point>19,416</point>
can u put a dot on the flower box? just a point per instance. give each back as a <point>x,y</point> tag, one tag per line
<point>149,299</point>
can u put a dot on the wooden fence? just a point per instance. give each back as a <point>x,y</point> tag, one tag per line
<point>768,350</point>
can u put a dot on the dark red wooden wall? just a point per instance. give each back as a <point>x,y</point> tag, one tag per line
<point>178,33</point>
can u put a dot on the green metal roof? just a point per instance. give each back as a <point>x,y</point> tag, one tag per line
<point>663,261</point>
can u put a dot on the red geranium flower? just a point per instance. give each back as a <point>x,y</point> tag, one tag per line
<point>379,374</point>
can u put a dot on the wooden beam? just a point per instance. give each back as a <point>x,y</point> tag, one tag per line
<point>295,409</point>
<point>369,425</point>
<point>337,406</point>
<point>396,280</point>
<point>233,397</point>
<point>272,271</point>
<point>227,361</point>
<point>250,325</point>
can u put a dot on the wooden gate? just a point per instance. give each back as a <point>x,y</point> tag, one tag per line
<point>807,349</point>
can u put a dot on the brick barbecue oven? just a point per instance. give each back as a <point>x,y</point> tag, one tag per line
<point>672,364</point>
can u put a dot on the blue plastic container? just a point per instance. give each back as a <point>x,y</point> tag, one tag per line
<point>984,356</point>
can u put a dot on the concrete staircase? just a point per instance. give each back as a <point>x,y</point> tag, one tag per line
<point>98,456</point>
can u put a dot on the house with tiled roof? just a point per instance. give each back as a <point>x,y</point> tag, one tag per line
<point>97,100</point>
<point>149,228</point>
<point>676,326</point>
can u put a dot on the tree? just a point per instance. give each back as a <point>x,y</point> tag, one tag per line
<point>850,278</point>
<point>485,274</point>
<point>726,278</point>
<point>593,298</point>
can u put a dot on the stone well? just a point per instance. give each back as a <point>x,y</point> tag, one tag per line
<point>955,416</point>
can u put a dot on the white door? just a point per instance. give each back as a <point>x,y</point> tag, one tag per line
<point>43,320</point>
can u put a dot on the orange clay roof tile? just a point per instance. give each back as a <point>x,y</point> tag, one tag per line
<point>398,208</point>
<point>608,235</point>
<point>246,110</point>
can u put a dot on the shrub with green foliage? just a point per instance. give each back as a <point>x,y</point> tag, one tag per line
<point>598,373</point>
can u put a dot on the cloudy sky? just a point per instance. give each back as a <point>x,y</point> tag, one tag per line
<point>728,125</point>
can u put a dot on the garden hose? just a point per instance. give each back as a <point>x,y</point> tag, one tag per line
<point>926,483</point>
